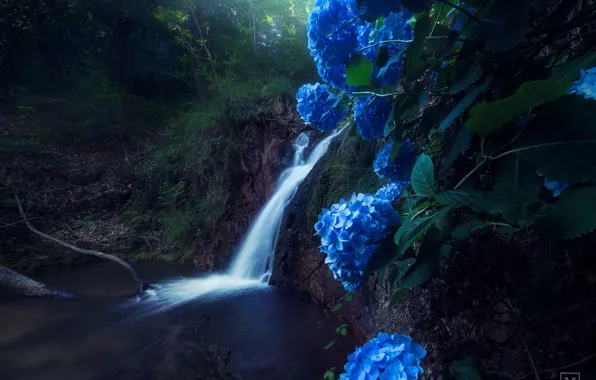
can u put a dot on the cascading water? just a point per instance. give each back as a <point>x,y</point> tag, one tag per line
<point>253,264</point>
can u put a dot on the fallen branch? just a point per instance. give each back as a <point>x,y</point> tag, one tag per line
<point>26,286</point>
<point>141,285</point>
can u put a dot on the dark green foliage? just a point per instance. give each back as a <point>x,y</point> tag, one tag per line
<point>415,66</point>
<point>467,368</point>
<point>488,117</point>
<point>423,181</point>
<point>571,216</point>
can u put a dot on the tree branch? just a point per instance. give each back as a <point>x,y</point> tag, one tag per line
<point>141,285</point>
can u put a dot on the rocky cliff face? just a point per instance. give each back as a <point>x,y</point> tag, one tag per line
<point>264,151</point>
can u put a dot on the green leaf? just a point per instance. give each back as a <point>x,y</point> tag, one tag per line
<point>462,231</point>
<point>464,75</point>
<point>573,214</point>
<point>397,296</point>
<point>385,253</point>
<point>423,270</point>
<point>382,56</point>
<point>402,103</point>
<point>505,24</point>
<point>571,70</point>
<point>467,368</point>
<point>415,65</point>
<point>402,268</point>
<point>563,137</point>
<point>330,374</point>
<point>410,232</point>
<point>442,46</point>
<point>337,307</point>
<point>515,175</point>
<point>394,59</point>
<point>489,116</point>
<point>482,201</point>
<point>343,331</point>
<point>416,6</point>
<point>423,177</point>
<point>413,230</point>
<point>463,105</point>
<point>359,71</point>
<point>390,124</point>
<point>349,297</point>
<point>460,143</point>
<point>330,344</point>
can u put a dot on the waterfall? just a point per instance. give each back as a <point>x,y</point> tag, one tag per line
<point>253,264</point>
<point>255,257</point>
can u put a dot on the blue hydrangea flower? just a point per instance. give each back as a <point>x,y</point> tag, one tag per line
<point>332,38</point>
<point>373,9</point>
<point>400,170</point>
<point>390,191</point>
<point>372,114</point>
<point>586,85</point>
<point>347,230</point>
<point>386,357</point>
<point>394,27</point>
<point>556,187</point>
<point>316,106</point>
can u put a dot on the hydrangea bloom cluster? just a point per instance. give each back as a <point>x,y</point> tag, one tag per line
<point>586,85</point>
<point>348,228</point>
<point>389,192</point>
<point>386,357</point>
<point>371,114</point>
<point>400,170</point>
<point>373,9</point>
<point>556,187</point>
<point>332,38</point>
<point>395,27</point>
<point>315,105</point>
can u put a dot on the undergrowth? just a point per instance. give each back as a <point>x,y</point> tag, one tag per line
<point>347,169</point>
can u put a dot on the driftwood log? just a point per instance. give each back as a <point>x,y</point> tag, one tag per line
<point>142,286</point>
<point>26,286</point>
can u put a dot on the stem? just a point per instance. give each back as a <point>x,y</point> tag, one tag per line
<point>196,21</point>
<point>523,149</point>
<point>469,174</point>
<point>384,42</point>
<point>461,9</point>
<point>436,22</point>
<point>374,93</point>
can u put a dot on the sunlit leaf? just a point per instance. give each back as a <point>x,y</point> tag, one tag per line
<point>359,71</point>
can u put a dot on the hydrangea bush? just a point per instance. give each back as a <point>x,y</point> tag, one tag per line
<point>412,78</point>
<point>386,357</point>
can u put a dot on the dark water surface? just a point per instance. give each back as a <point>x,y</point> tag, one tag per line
<point>271,335</point>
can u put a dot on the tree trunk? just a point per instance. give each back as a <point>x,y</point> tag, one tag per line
<point>25,286</point>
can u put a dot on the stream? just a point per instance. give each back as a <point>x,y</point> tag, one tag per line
<point>105,332</point>
<point>99,335</point>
